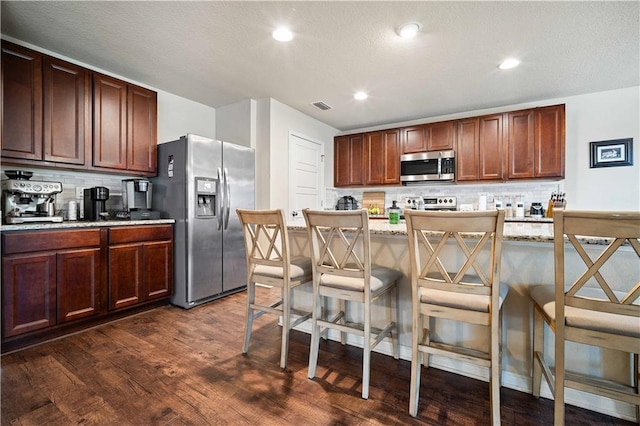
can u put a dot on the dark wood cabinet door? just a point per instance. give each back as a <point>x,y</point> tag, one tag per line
<point>21,103</point>
<point>28,293</point>
<point>348,167</point>
<point>413,139</point>
<point>67,114</point>
<point>491,148</point>
<point>520,125</point>
<point>125,275</point>
<point>374,158</point>
<point>158,269</point>
<point>79,284</point>
<point>549,145</point>
<point>391,152</point>
<point>141,129</point>
<point>109,122</point>
<point>440,136</point>
<point>468,149</point>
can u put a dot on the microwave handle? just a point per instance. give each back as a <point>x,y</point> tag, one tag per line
<point>440,166</point>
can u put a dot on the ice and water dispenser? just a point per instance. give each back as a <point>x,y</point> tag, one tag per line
<point>206,197</point>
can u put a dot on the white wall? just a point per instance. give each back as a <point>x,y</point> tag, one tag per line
<point>178,116</point>
<point>237,123</point>
<point>613,114</point>
<point>281,120</point>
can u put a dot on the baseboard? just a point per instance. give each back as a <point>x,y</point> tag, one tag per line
<point>510,380</point>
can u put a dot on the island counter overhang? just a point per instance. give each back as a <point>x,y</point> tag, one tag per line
<point>527,260</point>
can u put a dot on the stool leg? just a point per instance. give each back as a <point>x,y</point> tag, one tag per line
<point>251,298</point>
<point>286,324</point>
<point>538,350</point>
<point>395,312</point>
<point>366,353</point>
<point>416,362</point>
<point>314,347</point>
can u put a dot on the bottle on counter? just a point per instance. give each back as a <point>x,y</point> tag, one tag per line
<point>394,213</point>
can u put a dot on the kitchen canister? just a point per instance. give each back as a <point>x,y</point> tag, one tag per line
<point>520,209</point>
<point>73,210</point>
<point>482,202</point>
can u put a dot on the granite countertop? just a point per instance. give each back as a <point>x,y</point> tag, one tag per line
<point>82,224</point>
<point>533,231</point>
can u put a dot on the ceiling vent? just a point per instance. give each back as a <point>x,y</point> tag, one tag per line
<point>321,105</point>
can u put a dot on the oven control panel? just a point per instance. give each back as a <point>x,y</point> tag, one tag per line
<point>448,202</point>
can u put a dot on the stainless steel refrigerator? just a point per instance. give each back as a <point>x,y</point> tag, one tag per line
<point>201,182</point>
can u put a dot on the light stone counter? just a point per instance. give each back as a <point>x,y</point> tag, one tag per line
<point>42,226</point>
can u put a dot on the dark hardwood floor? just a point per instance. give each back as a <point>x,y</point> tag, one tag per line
<point>170,366</point>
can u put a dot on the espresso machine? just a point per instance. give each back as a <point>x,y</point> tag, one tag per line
<point>137,199</point>
<point>95,203</point>
<point>28,201</point>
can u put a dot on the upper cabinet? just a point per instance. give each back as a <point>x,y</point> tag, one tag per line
<point>440,136</point>
<point>479,148</point>
<point>549,142</point>
<point>47,110</point>
<point>382,157</point>
<point>428,137</point>
<point>124,125</point>
<point>348,161</point>
<point>536,143</point>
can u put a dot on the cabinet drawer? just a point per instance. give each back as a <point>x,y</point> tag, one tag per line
<point>29,241</point>
<point>134,234</point>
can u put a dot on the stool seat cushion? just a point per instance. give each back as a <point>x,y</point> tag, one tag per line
<point>624,325</point>
<point>467,301</point>
<point>300,267</point>
<point>381,276</point>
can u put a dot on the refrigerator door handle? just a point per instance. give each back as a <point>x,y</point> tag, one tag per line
<point>227,197</point>
<point>221,198</point>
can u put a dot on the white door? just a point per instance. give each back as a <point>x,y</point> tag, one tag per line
<point>306,175</point>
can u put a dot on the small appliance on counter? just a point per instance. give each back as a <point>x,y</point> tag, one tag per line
<point>137,199</point>
<point>448,202</point>
<point>28,201</point>
<point>347,202</point>
<point>95,201</point>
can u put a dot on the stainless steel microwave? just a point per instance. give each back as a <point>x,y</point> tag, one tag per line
<point>421,167</point>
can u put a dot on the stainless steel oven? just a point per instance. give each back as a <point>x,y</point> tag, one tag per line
<point>435,166</point>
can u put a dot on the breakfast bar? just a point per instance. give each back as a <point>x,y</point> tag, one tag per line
<point>527,260</point>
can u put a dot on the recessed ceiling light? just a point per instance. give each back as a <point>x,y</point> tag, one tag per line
<point>282,34</point>
<point>509,63</point>
<point>409,30</point>
<point>360,96</point>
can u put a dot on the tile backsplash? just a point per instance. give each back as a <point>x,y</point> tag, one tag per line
<point>71,180</point>
<point>528,192</point>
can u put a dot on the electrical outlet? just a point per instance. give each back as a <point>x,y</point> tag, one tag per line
<point>79,192</point>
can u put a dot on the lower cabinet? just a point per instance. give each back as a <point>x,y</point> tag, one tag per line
<point>51,277</point>
<point>140,264</point>
<point>62,280</point>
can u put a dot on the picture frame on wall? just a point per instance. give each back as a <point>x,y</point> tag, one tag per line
<point>612,153</point>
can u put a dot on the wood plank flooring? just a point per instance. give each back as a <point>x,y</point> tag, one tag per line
<point>171,366</point>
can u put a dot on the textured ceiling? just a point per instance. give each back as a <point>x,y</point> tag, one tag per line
<point>218,53</point>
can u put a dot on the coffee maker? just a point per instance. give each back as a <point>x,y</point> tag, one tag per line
<point>28,201</point>
<point>137,199</point>
<point>95,203</point>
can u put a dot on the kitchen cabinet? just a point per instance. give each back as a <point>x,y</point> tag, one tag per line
<point>428,137</point>
<point>536,143</point>
<point>140,264</point>
<point>440,136</point>
<point>51,277</point>
<point>479,148</point>
<point>46,114</point>
<point>549,142</point>
<point>413,139</point>
<point>63,280</point>
<point>348,165</point>
<point>21,103</point>
<point>57,114</point>
<point>520,141</point>
<point>382,157</point>
<point>124,125</point>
